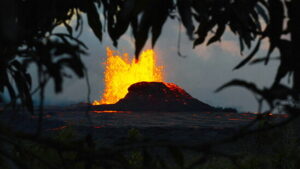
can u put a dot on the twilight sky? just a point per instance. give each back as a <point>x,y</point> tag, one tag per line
<point>203,70</point>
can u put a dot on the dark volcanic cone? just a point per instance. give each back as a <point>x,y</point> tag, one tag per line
<point>157,96</point>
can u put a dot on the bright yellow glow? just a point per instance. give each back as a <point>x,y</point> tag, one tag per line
<point>121,72</point>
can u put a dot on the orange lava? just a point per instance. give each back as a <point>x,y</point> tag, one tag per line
<point>121,72</point>
<point>112,112</point>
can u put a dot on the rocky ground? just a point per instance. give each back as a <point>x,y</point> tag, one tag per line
<point>112,126</point>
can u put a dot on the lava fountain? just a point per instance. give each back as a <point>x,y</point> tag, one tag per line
<point>121,72</point>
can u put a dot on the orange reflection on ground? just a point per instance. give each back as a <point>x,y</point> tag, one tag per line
<point>98,127</point>
<point>111,112</point>
<point>58,128</point>
<point>234,119</point>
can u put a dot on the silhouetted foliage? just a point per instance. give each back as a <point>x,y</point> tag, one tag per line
<point>27,33</point>
<point>28,37</point>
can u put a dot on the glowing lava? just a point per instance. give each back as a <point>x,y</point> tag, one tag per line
<point>121,72</point>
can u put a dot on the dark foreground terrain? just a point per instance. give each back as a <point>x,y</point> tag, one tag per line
<point>113,126</point>
<point>111,129</point>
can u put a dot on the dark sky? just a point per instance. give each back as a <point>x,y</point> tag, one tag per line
<point>204,69</point>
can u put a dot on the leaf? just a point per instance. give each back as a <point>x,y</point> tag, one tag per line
<point>282,92</point>
<point>271,49</point>
<point>286,64</point>
<point>198,41</point>
<point>250,86</point>
<point>57,81</point>
<point>242,47</point>
<point>134,26</point>
<point>69,28</point>
<point>9,87</point>
<point>262,13</point>
<point>248,58</point>
<point>275,29</point>
<point>276,9</point>
<point>109,13</point>
<point>63,38</point>
<point>259,60</point>
<point>2,79</point>
<point>78,20</point>
<point>23,83</point>
<point>161,15</point>
<point>123,19</point>
<point>120,19</point>
<point>218,34</point>
<point>94,20</point>
<point>120,28</point>
<point>202,31</point>
<point>23,89</point>
<point>20,67</point>
<point>142,32</point>
<point>185,12</point>
<point>28,79</point>
<point>254,18</point>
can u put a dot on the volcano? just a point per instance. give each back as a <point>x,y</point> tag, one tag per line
<point>138,85</point>
<point>156,96</point>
